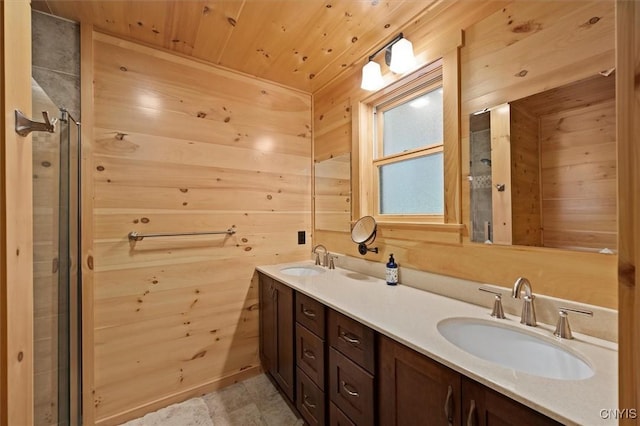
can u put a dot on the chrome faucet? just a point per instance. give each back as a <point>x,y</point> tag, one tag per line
<point>325,256</point>
<point>528,316</point>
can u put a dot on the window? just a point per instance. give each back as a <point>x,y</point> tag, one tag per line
<point>406,160</point>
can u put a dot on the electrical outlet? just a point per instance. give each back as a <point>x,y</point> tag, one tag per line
<point>302,237</point>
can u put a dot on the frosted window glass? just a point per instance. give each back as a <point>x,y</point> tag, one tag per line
<point>413,124</point>
<point>413,186</point>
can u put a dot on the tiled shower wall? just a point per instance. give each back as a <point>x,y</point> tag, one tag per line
<point>480,141</point>
<point>56,60</point>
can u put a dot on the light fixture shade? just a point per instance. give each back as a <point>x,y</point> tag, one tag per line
<point>371,76</point>
<point>402,59</point>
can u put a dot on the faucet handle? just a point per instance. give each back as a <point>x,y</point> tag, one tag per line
<point>497,311</point>
<point>563,330</point>
<point>332,259</point>
<point>317,258</point>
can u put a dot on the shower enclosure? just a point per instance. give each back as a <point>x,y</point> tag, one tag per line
<point>56,282</point>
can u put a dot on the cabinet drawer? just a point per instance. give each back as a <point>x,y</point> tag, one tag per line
<point>311,400</point>
<point>311,314</point>
<point>351,388</point>
<point>337,417</point>
<point>353,339</point>
<point>310,355</point>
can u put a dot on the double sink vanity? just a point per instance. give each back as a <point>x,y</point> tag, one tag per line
<point>345,348</point>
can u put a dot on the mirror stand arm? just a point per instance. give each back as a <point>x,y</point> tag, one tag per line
<point>363,249</point>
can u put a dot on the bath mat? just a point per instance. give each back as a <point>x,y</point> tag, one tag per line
<point>193,412</point>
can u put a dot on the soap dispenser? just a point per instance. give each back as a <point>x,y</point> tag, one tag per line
<point>392,271</point>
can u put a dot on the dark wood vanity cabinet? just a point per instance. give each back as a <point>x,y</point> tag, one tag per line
<point>351,370</point>
<point>337,371</point>
<point>485,407</point>
<point>310,359</point>
<point>277,333</point>
<point>415,390</point>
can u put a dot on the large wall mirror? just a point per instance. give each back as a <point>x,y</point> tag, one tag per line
<point>332,189</point>
<point>543,169</point>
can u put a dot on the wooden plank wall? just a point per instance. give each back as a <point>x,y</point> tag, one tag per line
<point>16,223</point>
<point>511,50</point>
<point>578,167</point>
<point>180,146</point>
<point>525,179</point>
<point>332,194</point>
<point>628,134</point>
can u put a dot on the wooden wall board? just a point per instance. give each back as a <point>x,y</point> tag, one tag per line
<point>628,133</point>
<point>185,147</point>
<point>87,220</point>
<point>16,221</point>
<point>332,131</point>
<point>583,174</point>
<point>525,49</point>
<point>525,179</point>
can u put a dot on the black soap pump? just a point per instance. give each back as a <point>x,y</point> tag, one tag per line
<point>392,271</point>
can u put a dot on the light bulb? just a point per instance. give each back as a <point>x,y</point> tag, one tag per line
<point>402,59</point>
<point>371,76</point>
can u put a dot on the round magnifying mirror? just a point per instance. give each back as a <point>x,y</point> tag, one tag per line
<point>363,230</point>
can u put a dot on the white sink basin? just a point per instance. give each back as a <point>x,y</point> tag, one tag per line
<point>302,271</point>
<point>514,348</point>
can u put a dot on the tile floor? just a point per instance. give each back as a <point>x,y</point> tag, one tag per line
<point>254,401</point>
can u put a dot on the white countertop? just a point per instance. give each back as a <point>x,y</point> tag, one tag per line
<point>410,316</point>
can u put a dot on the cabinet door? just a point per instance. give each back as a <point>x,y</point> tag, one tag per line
<point>310,355</point>
<point>414,390</point>
<point>268,334</point>
<point>485,407</point>
<point>337,417</point>
<point>311,314</point>
<point>310,400</point>
<point>284,369</point>
<point>351,389</point>
<point>276,333</point>
<point>353,339</point>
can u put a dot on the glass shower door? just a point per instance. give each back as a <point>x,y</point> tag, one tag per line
<point>56,280</point>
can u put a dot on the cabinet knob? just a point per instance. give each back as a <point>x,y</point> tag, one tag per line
<point>308,354</point>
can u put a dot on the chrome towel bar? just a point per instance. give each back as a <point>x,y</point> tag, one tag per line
<point>135,236</point>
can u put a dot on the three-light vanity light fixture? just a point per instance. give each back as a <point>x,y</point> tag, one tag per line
<point>398,56</point>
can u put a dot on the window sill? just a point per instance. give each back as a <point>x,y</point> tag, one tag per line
<point>444,233</point>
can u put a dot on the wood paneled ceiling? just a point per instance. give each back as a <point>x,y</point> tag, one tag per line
<point>298,43</point>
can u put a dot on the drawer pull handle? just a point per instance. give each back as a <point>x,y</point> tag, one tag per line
<point>349,389</point>
<point>448,406</point>
<point>309,404</point>
<point>472,419</point>
<point>349,338</point>
<point>309,313</point>
<point>308,354</point>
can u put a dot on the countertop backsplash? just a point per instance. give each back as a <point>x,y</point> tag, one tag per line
<point>603,324</point>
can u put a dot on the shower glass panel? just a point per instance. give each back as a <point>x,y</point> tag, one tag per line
<point>56,277</point>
